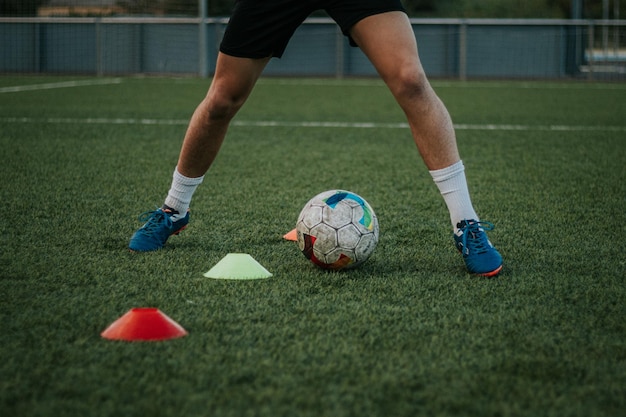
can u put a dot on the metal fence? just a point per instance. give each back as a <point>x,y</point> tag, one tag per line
<point>449,48</point>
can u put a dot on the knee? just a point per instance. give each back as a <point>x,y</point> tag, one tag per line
<point>222,106</point>
<point>411,85</point>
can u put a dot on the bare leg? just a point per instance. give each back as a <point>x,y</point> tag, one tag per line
<point>232,84</point>
<point>388,40</point>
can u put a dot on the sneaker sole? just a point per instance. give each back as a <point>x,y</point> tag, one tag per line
<point>490,274</point>
<point>176,233</point>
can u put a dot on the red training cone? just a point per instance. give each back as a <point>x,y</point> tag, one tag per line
<point>144,324</point>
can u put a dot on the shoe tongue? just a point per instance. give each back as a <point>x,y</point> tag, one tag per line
<point>169,211</point>
<point>174,215</point>
<point>476,228</point>
<point>473,230</point>
<point>471,227</point>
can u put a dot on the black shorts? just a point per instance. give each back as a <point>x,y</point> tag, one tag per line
<point>262,28</point>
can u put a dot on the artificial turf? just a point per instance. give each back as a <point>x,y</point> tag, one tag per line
<point>408,333</point>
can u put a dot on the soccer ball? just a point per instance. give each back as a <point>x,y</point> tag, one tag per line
<point>337,229</point>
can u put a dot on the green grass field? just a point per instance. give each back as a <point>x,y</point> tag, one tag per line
<point>407,334</point>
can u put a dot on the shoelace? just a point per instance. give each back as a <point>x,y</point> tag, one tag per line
<point>153,220</point>
<point>478,242</point>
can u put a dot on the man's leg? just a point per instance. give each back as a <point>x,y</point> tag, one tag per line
<point>232,84</point>
<point>387,39</point>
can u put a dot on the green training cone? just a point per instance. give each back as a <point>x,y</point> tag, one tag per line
<point>238,266</point>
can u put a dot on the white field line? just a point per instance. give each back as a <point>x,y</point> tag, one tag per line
<point>313,124</point>
<point>62,84</point>
<point>375,82</point>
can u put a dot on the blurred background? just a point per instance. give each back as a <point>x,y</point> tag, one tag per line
<point>458,39</point>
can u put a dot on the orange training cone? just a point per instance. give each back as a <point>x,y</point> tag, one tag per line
<point>292,235</point>
<point>144,324</point>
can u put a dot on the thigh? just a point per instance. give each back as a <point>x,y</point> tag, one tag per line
<point>235,77</point>
<point>388,40</point>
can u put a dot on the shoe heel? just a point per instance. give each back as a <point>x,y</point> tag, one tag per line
<point>176,233</point>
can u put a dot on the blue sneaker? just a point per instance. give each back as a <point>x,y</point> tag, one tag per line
<point>159,226</point>
<point>480,257</point>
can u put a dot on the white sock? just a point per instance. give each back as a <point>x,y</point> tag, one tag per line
<point>180,193</point>
<point>452,185</point>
